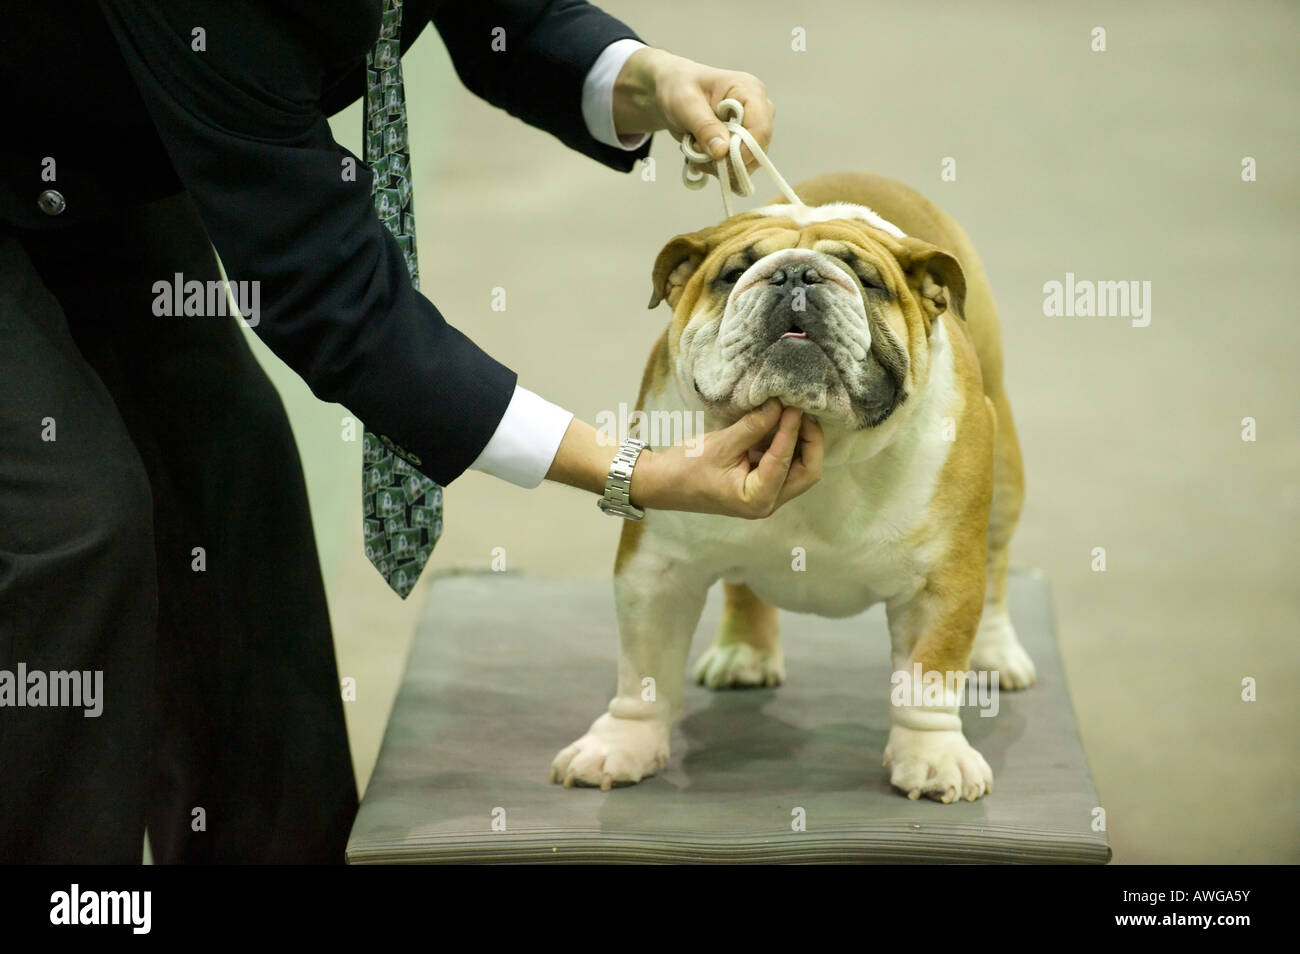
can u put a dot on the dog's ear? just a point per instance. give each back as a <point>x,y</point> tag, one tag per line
<point>674,266</point>
<point>683,255</point>
<point>935,277</point>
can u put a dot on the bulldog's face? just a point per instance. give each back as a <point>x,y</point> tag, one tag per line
<point>815,306</point>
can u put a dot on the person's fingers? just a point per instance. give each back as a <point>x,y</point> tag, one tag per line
<point>807,469</point>
<point>807,427</point>
<point>812,443</point>
<point>758,121</point>
<point>760,127</point>
<point>759,118</point>
<point>759,115</point>
<point>696,116</point>
<point>694,111</point>
<point>763,484</point>
<point>749,430</point>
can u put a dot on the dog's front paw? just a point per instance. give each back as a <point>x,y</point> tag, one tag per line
<point>997,649</point>
<point>614,751</point>
<point>732,665</point>
<point>939,764</point>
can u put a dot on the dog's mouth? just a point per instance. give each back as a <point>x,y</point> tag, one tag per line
<point>805,346</point>
<point>800,347</point>
<point>791,360</point>
<point>798,328</point>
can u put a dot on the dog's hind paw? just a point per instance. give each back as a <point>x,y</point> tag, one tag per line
<point>997,649</point>
<point>739,666</point>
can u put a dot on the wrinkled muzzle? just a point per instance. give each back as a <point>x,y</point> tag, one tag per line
<point>795,327</point>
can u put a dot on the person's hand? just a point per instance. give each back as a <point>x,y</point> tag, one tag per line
<point>732,473</point>
<point>659,90</point>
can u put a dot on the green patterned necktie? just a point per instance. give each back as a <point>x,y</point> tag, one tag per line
<point>401,507</point>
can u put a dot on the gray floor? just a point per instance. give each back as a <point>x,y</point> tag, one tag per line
<point>1122,165</point>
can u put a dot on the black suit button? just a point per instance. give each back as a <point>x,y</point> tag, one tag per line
<point>51,202</point>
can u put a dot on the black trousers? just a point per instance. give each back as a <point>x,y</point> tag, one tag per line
<point>154,527</point>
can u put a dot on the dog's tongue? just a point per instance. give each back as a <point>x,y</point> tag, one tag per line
<point>795,334</point>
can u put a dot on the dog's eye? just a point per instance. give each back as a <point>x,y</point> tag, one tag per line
<point>732,275</point>
<point>871,281</point>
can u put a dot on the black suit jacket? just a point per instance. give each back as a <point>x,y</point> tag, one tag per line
<point>131,112</point>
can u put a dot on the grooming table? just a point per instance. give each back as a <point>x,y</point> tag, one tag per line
<point>506,670</point>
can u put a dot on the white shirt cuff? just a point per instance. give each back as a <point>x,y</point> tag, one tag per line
<point>598,96</point>
<point>524,444</point>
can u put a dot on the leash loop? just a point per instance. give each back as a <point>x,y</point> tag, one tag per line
<point>732,114</point>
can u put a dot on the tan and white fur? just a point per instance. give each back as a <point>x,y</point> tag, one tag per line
<point>893,343</point>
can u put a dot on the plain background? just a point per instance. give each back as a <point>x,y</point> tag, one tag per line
<point>1116,165</point>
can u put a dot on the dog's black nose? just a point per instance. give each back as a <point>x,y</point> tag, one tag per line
<point>795,275</point>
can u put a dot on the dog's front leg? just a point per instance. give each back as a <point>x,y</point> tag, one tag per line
<point>659,601</point>
<point>931,635</point>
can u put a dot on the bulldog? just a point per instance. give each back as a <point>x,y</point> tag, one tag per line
<point>868,308</point>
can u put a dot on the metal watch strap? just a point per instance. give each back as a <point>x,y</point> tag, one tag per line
<point>618,485</point>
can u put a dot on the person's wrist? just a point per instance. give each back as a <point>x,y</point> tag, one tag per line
<point>656,484</point>
<point>583,459</point>
<point>641,488</point>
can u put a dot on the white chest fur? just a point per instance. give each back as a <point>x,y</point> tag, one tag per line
<point>864,534</point>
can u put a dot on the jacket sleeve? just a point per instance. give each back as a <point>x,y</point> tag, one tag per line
<point>241,121</point>
<point>530,58</point>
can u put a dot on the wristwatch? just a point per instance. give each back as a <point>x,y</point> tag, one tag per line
<point>618,485</point>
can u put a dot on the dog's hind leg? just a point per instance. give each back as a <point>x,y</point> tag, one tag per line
<point>747,650</point>
<point>996,645</point>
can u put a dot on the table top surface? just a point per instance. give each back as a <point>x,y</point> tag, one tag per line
<point>506,670</point>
